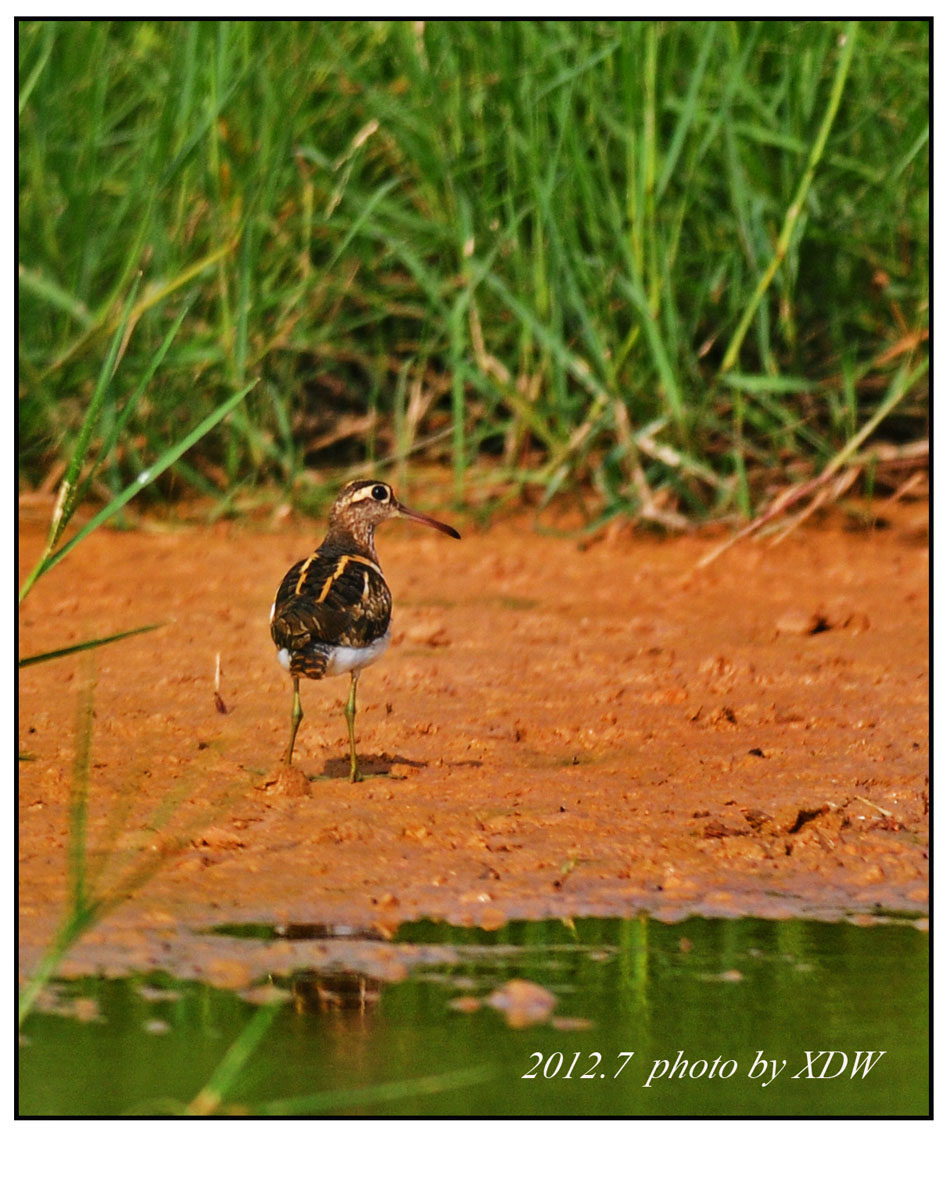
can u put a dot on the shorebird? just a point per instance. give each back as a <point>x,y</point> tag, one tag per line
<point>332,610</point>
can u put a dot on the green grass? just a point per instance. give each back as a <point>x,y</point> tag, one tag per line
<point>680,263</point>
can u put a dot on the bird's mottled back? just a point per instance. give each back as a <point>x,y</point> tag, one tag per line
<point>329,600</point>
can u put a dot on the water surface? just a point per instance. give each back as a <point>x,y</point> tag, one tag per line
<point>647,1019</point>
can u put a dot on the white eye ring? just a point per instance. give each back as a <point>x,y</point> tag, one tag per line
<point>380,493</point>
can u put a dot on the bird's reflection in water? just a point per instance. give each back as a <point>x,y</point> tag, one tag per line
<point>346,994</point>
<point>324,930</point>
<point>335,992</point>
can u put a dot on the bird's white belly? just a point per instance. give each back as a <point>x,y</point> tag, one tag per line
<point>356,658</point>
<point>343,659</point>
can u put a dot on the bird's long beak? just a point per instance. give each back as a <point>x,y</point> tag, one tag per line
<point>407,513</point>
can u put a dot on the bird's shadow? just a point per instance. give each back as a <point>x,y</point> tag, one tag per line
<point>377,766</point>
<point>370,765</point>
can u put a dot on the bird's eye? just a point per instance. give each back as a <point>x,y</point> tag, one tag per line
<point>380,493</point>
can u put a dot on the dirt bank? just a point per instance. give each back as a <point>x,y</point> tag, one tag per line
<point>557,730</point>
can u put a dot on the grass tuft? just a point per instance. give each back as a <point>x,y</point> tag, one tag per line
<point>674,262</point>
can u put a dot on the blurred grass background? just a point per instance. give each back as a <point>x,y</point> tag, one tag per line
<point>681,265</point>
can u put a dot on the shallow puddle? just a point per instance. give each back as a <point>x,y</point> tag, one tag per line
<point>593,1017</point>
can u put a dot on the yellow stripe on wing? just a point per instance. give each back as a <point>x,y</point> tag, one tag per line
<point>337,572</point>
<point>303,573</point>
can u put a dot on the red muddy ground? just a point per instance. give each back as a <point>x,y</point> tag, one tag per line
<point>557,730</point>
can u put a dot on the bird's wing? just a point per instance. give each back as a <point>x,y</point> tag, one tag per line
<point>335,600</point>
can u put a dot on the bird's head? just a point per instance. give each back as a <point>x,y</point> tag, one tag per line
<point>361,506</point>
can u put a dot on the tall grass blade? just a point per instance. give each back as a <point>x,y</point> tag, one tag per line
<point>85,646</point>
<point>381,1093</point>
<point>79,798</point>
<point>145,478</point>
<point>131,403</point>
<point>209,1098</point>
<point>796,209</point>
<point>49,291</point>
<point>901,385</point>
<point>153,297</point>
<point>27,89</point>
<point>66,502</point>
<point>80,912</point>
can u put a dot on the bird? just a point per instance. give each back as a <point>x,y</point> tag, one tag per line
<point>332,611</point>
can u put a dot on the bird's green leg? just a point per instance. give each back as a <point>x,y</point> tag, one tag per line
<point>349,711</point>
<point>296,716</point>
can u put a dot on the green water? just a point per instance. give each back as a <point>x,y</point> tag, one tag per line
<point>732,990</point>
